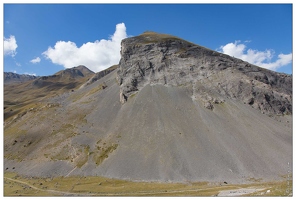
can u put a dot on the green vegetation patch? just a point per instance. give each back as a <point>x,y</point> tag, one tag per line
<point>103,152</point>
<point>15,185</point>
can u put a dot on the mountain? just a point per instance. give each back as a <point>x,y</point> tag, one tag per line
<point>66,77</point>
<point>18,96</point>
<point>170,111</point>
<point>10,77</point>
<point>79,71</point>
<point>211,76</point>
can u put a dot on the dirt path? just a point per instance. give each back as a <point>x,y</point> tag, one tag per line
<point>233,192</point>
<point>44,190</point>
<point>103,194</point>
<point>239,192</point>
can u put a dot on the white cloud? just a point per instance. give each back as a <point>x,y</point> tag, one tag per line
<point>97,55</point>
<point>10,46</point>
<point>283,59</point>
<point>31,74</point>
<point>18,64</point>
<point>259,58</point>
<point>35,60</point>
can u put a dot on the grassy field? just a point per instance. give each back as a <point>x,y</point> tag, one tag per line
<point>15,185</point>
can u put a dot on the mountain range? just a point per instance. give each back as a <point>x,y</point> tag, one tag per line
<point>10,77</point>
<point>170,111</point>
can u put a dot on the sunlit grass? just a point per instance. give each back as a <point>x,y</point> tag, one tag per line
<point>102,186</point>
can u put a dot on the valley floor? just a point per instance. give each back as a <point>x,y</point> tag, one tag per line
<point>15,185</point>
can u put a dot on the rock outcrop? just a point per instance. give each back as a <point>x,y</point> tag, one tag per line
<point>153,58</point>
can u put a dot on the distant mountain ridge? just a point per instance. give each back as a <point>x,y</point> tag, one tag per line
<point>67,76</point>
<point>11,77</point>
<point>71,73</point>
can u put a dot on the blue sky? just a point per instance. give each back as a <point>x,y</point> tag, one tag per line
<point>42,39</point>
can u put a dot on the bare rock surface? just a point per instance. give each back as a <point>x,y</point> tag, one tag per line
<point>153,58</point>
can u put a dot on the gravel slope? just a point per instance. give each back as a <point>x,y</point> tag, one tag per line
<point>160,134</point>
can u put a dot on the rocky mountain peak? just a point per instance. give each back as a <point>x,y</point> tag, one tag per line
<point>79,71</point>
<point>211,77</point>
<point>68,76</point>
<point>83,69</point>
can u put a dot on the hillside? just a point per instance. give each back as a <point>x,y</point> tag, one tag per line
<point>20,97</point>
<point>171,111</point>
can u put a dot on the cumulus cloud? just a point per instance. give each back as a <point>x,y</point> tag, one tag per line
<point>97,55</point>
<point>10,46</point>
<point>35,60</point>
<point>259,58</point>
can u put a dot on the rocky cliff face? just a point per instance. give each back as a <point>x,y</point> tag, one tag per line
<point>153,58</point>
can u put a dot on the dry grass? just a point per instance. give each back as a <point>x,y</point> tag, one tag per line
<point>76,97</point>
<point>96,89</point>
<point>153,37</point>
<point>18,97</point>
<point>79,96</point>
<point>113,67</point>
<point>101,186</point>
<point>282,188</point>
<point>103,152</point>
<point>82,158</point>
